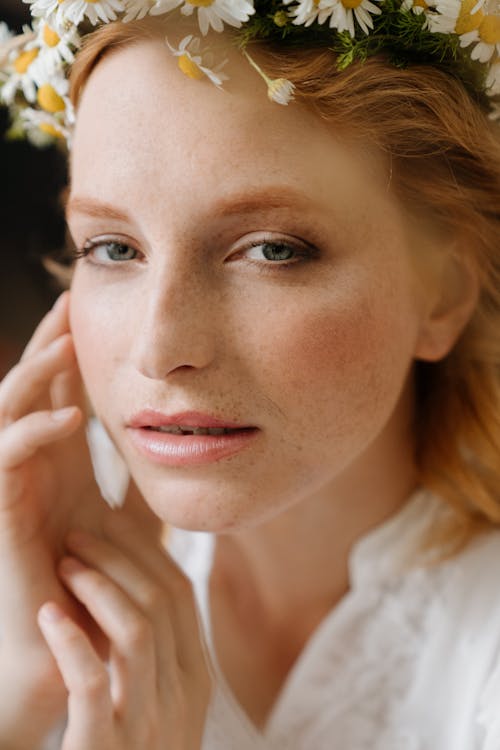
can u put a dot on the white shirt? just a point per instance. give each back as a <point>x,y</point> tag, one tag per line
<point>409,659</point>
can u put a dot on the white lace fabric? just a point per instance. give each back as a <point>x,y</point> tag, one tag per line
<point>408,660</point>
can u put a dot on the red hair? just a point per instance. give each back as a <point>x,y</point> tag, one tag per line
<point>445,161</point>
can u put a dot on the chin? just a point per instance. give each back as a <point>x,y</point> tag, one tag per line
<point>202,509</point>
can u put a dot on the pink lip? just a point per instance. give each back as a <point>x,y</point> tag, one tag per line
<point>152,418</point>
<point>186,450</point>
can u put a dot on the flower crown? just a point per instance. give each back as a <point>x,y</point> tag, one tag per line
<point>460,36</point>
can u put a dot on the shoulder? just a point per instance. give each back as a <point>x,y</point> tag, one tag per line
<point>471,600</point>
<point>472,582</point>
<point>454,696</point>
<point>479,567</point>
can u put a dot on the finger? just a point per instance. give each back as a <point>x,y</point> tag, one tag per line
<point>90,707</point>
<point>143,591</point>
<point>52,325</point>
<point>151,578</point>
<point>27,381</point>
<point>22,439</point>
<point>159,566</point>
<point>67,388</point>
<point>133,652</point>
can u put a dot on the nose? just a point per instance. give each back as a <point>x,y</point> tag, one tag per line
<point>176,327</point>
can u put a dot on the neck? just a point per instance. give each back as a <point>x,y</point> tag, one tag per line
<point>295,568</point>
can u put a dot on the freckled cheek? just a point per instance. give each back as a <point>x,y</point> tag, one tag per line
<point>321,348</point>
<point>334,366</point>
<point>97,343</point>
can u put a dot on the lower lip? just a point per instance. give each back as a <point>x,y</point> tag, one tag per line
<point>189,450</point>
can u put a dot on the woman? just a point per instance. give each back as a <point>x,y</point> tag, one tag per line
<point>286,319</point>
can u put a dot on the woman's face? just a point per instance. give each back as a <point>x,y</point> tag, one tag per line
<point>244,264</point>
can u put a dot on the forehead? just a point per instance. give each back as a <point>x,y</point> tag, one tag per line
<point>143,127</point>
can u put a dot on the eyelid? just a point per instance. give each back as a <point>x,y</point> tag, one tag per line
<point>303,248</point>
<point>84,250</point>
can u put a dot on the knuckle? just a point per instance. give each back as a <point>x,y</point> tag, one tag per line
<point>137,634</point>
<point>93,685</point>
<point>152,598</point>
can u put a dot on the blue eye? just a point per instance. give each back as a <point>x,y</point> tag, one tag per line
<point>116,251</point>
<point>106,251</point>
<point>274,251</point>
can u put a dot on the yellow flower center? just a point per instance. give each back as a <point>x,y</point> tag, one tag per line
<point>466,21</point>
<point>189,68</point>
<point>49,99</point>
<point>50,37</point>
<point>489,31</point>
<point>24,60</point>
<point>420,4</point>
<point>351,3</point>
<point>201,3</point>
<point>46,127</point>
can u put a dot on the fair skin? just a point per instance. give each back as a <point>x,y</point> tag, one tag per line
<point>316,355</point>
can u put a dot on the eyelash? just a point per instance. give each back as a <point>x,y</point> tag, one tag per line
<point>91,245</point>
<point>301,252</point>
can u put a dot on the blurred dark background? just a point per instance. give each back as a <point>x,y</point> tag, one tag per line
<point>14,13</point>
<point>31,224</point>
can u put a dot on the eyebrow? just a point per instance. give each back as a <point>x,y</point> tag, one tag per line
<point>271,197</point>
<point>96,209</point>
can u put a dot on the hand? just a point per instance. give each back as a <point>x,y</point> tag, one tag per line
<point>155,689</point>
<point>46,485</point>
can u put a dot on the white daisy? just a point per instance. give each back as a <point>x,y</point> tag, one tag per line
<point>307,12</point>
<point>42,8</point>
<point>343,13</point>
<point>57,45</point>
<point>136,9</point>
<point>47,125</point>
<point>455,16</point>
<point>195,63</point>
<point>96,11</point>
<point>417,6</point>
<point>211,13</point>
<point>20,77</point>
<point>279,90</point>
<point>52,91</point>
<point>485,35</point>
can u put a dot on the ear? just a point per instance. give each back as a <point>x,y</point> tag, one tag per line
<point>452,299</point>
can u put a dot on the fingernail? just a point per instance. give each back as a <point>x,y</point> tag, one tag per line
<point>60,415</point>
<point>50,613</point>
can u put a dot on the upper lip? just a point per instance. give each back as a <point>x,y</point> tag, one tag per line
<point>153,418</point>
